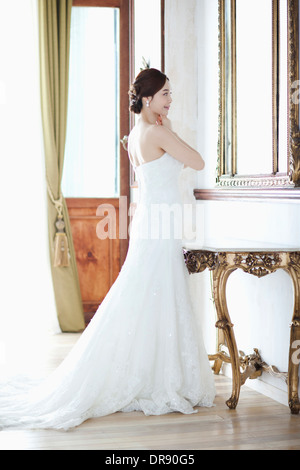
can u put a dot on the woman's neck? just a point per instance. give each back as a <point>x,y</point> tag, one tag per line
<point>148,117</point>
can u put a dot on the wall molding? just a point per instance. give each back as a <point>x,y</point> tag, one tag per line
<point>250,195</point>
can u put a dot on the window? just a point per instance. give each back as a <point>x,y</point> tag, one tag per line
<point>91,167</point>
<point>147,33</point>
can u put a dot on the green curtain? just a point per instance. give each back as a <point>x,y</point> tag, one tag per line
<point>54,39</point>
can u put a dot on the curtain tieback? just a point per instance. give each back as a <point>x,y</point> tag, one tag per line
<point>61,246</point>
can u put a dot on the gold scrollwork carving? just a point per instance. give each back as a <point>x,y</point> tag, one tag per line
<point>223,324</point>
<point>296,322</point>
<point>254,366</point>
<point>198,261</point>
<point>294,260</point>
<point>258,264</point>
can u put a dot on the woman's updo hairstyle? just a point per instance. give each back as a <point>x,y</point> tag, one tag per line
<point>147,83</point>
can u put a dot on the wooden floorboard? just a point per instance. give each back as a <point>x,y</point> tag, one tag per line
<point>258,423</point>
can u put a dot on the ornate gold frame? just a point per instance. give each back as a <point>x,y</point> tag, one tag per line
<point>291,178</point>
<point>293,76</point>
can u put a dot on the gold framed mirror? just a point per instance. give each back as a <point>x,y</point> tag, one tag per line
<point>258,43</point>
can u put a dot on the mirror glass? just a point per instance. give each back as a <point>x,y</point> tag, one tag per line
<point>228,137</point>
<point>283,90</point>
<point>254,86</point>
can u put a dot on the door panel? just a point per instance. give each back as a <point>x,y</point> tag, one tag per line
<point>98,261</point>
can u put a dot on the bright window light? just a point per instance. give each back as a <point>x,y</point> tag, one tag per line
<point>91,167</point>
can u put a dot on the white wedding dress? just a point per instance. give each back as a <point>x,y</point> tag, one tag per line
<point>141,351</point>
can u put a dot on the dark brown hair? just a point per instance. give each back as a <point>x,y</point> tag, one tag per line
<point>147,83</point>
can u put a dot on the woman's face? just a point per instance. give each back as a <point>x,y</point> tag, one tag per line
<point>161,101</point>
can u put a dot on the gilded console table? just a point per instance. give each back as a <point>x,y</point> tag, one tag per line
<point>259,263</point>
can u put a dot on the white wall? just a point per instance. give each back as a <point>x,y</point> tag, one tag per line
<point>261,309</point>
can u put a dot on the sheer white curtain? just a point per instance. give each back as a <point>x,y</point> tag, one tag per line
<point>27,308</point>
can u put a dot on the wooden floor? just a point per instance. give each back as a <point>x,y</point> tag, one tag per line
<point>257,423</point>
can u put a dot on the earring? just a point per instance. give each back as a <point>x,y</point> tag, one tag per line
<point>148,104</point>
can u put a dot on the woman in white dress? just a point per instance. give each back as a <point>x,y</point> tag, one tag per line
<point>142,350</point>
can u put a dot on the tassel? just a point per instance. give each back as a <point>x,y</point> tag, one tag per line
<point>61,248</point>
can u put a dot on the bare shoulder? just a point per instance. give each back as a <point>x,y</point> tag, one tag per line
<point>132,134</point>
<point>131,144</point>
<point>130,139</point>
<point>167,140</point>
<point>159,134</point>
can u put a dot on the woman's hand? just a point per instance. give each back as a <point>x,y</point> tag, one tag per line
<point>164,121</point>
<point>159,121</point>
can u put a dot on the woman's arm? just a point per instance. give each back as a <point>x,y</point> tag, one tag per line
<point>175,146</point>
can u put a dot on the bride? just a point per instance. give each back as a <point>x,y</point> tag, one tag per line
<point>142,350</point>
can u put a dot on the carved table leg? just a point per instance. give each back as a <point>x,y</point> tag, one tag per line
<point>219,357</point>
<point>294,353</point>
<point>220,276</point>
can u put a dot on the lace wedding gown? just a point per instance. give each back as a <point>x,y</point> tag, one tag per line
<point>141,351</point>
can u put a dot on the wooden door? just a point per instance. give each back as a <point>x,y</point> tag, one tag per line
<point>99,260</point>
